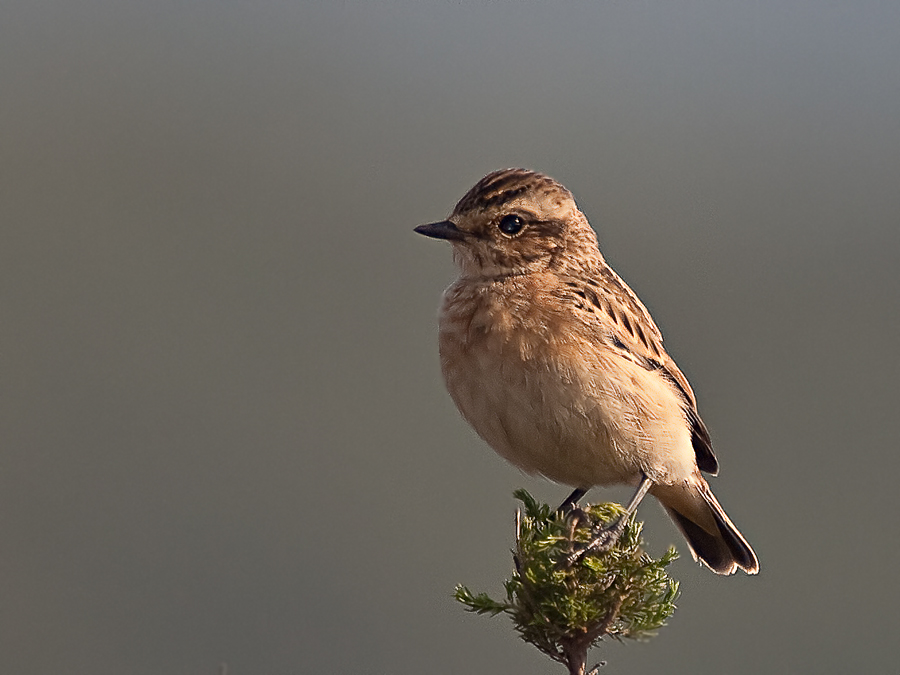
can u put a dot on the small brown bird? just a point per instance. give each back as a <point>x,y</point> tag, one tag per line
<point>557,365</point>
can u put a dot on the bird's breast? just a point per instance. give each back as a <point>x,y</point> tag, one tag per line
<point>532,387</point>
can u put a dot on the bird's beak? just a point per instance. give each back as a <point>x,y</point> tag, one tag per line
<point>442,230</point>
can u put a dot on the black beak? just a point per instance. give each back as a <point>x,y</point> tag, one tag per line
<point>442,230</point>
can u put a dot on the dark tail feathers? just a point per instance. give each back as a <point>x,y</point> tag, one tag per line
<point>723,550</point>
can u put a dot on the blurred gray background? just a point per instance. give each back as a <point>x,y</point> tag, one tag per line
<point>224,436</point>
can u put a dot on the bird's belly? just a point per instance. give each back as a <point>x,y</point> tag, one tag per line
<point>541,417</point>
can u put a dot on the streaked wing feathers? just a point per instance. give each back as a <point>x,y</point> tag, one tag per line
<point>636,337</point>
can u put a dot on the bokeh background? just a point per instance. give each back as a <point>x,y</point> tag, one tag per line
<point>223,434</point>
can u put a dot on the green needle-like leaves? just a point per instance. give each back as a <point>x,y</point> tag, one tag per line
<point>564,610</point>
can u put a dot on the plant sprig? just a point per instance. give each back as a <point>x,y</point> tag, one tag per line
<point>565,610</point>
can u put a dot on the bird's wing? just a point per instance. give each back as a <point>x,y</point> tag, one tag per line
<point>627,324</point>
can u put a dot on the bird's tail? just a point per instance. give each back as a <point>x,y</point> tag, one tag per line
<point>713,538</point>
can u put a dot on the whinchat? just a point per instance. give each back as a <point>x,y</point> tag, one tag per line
<point>558,366</point>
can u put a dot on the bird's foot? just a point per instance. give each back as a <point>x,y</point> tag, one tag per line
<point>603,539</point>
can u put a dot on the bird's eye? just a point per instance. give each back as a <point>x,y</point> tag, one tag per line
<point>511,224</point>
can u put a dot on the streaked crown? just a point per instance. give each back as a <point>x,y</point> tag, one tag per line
<point>512,187</point>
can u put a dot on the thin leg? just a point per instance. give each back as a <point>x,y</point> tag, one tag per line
<point>572,500</point>
<point>639,494</point>
<point>605,538</point>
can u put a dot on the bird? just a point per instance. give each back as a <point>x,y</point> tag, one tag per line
<point>559,367</point>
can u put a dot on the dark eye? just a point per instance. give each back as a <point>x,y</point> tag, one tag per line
<point>511,224</point>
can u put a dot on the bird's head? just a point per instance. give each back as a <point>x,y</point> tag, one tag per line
<point>516,221</point>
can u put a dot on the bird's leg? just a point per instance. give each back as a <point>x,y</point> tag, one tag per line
<point>605,538</point>
<point>572,500</point>
<point>570,510</point>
